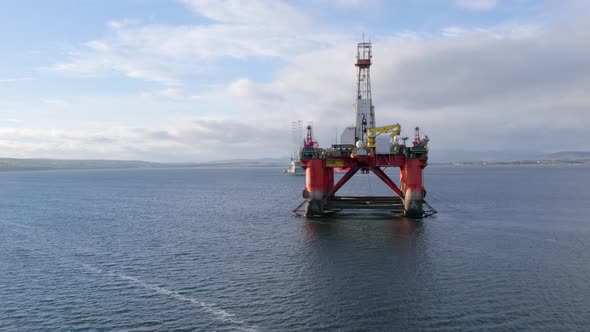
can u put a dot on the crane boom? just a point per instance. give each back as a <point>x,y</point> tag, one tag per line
<point>372,133</point>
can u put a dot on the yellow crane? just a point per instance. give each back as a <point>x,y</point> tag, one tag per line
<point>393,131</point>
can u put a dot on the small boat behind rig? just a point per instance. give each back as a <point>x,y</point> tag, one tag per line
<point>294,168</point>
<point>366,148</point>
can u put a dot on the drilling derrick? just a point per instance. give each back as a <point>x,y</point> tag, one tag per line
<point>372,150</point>
<point>363,108</point>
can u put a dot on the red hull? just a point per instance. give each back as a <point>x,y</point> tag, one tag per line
<point>320,189</point>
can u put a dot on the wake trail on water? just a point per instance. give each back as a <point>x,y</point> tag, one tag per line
<point>219,314</point>
<point>17,224</point>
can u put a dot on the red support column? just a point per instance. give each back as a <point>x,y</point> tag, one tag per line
<point>411,183</point>
<point>315,185</point>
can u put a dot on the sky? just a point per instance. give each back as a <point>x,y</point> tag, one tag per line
<point>203,80</point>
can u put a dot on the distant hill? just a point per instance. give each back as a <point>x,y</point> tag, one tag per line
<point>38,164</point>
<point>568,155</point>
<point>456,155</point>
<point>471,158</point>
<point>277,161</point>
<point>41,164</point>
<point>551,159</point>
<point>506,156</point>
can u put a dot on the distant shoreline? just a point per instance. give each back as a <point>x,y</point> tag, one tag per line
<point>32,165</point>
<point>540,163</point>
<point>15,164</point>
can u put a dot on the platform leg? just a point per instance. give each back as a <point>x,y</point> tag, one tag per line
<point>411,183</point>
<point>413,203</point>
<point>315,185</point>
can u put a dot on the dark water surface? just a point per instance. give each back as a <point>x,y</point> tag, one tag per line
<point>218,249</point>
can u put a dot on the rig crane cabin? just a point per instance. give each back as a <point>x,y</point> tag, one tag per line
<point>366,148</point>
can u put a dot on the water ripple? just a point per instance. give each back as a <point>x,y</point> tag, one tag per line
<point>200,250</point>
<point>219,314</point>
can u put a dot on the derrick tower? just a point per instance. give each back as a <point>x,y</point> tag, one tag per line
<point>363,108</point>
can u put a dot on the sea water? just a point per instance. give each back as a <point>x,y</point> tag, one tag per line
<point>218,249</point>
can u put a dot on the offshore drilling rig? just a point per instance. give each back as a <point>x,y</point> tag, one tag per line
<point>366,148</point>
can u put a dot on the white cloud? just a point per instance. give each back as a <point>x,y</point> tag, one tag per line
<point>166,53</point>
<point>56,102</point>
<point>480,88</point>
<point>103,59</point>
<point>509,30</point>
<point>118,24</point>
<point>483,88</point>
<point>355,3</point>
<point>476,4</point>
<point>12,120</point>
<point>14,80</point>
<point>275,14</point>
<point>193,139</point>
<point>248,90</point>
<point>171,93</point>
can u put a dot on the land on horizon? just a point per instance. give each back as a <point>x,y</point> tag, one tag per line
<point>44,164</point>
